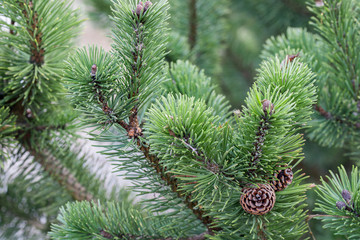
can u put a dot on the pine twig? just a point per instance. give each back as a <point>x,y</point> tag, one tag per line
<point>11,30</point>
<point>256,154</point>
<point>172,183</point>
<point>135,237</point>
<point>36,49</point>
<point>101,99</point>
<point>65,178</point>
<point>329,116</point>
<point>192,24</point>
<point>17,212</point>
<point>311,216</point>
<point>308,218</point>
<point>37,128</point>
<point>213,167</point>
<point>134,132</point>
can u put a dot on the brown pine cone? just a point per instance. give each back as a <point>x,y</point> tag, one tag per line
<point>258,200</point>
<point>283,178</point>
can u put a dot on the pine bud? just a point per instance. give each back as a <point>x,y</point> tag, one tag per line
<point>106,234</point>
<point>93,70</point>
<point>266,104</point>
<point>289,58</point>
<point>237,113</point>
<point>292,57</point>
<point>340,205</point>
<point>139,9</point>
<point>346,195</point>
<point>319,3</point>
<point>147,5</point>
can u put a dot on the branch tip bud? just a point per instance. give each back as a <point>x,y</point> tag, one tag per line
<point>319,3</point>
<point>93,70</point>
<point>139,9</point>
<point>267,106</point>
<point>340,205</point>
<point>147,5</point>
<point>346,195</point>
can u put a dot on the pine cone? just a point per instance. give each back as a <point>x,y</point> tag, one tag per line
<point>284,178</point>
<point>258,200</point>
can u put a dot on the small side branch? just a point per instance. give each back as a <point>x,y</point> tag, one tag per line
<point>308,218</point>
<point>172,183</point>
<point>153,160</point>
<point>211,166</point>
<point>268,109</point>
<point>11,30</point>
<point>201,157</point>
<point>135,237</point>
<point>65,178</point>
<point>101,98</point>
<point>259,141</point>
<point>36,49</point>
<point>17,212</point>
<point>329,116</point>
<point>192,24</point>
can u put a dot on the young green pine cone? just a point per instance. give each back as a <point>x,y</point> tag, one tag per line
<point>258,200</point>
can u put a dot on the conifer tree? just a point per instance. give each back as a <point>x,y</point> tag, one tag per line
<point>333,54</point>
<point>203,172</point>
<point>40,169</point>
<point>206,166</point>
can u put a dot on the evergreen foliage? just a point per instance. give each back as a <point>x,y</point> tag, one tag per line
<point>27,44</point>
<point>187,79</point>
<point>333,53</point>
<point>197,33</point>
<point>205,35</point>
<point>342,191</point>
<point>41,169</point>
<point>191,153</point>
<point>167,129</point>
<point>101,11</point>
<point>8,129</point>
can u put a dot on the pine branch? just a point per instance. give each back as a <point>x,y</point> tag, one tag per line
<point>135,132</point>
<point>137,72</point>
<point>171,181</point>
<point>142,237</point>
<point>261,133</point>
<point>241,66</point>
<point>37,51</point>
<point>12,30</point>
<point>338,202</point>
<point>192,24</point>
<point>61,174</point>
<point>201,156</point>
<point>330,116</point>
<point>296,7</point>
<point>113,220</point>
<point>17,212</point>
<point>50,164</point>
<point>101,99</point>
<point>311,216</point>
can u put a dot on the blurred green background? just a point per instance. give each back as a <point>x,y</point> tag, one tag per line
<point>244,25</point>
